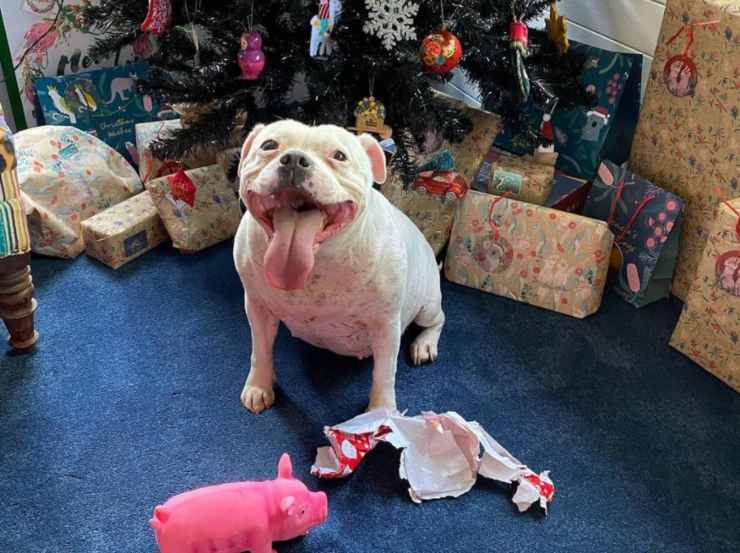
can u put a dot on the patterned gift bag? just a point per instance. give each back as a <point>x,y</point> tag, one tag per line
<point>709,328</point>
<point>548,258</point>
<point>646,221</point>
<point>583,137</point>
<point>199,207</point>
<point>687,140</point>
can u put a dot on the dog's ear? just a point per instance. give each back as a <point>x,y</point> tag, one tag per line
<point>376,155</point>
<point>248,144</point>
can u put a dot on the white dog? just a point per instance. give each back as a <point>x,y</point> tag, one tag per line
<point>325,253</point>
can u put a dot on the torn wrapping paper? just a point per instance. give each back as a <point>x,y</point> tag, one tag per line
<point>441,455</point>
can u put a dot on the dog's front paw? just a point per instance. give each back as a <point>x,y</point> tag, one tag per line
<point>257,398</point>
<point>386,400</point>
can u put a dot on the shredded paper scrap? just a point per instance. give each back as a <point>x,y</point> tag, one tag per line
<point>441,455</point>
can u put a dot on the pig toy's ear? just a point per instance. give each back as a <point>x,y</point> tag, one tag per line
<point>286,504</point>
<point>285,467</point>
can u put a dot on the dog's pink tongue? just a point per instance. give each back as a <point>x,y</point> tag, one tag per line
<point>290,256</point>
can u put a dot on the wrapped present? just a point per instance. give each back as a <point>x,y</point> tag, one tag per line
<point>687,139</point>
<point>430,205</point>
<point>66,176</point>
<point>199,207</point>
<point>103,102</point>
<point>541,256</point>
<point>646,221</point>
<point>124,232</point>
<point>470,153</point>
<point>152,168</point>
<point>568,193</point>
<point>584,136</point>
<point>520,177</point>
<point>709,328</point>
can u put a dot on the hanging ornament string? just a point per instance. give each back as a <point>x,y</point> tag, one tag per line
<point>194,31</point>
<point>689,30</point>
<point>442,12</point>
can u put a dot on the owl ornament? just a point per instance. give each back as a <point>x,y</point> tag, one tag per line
<point>251,57</point>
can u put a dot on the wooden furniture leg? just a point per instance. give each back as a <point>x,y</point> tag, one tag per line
<point>17,304</point>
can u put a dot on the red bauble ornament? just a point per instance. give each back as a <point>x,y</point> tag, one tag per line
<point>440,51</point>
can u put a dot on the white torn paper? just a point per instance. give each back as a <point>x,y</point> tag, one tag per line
<point>442,455</point>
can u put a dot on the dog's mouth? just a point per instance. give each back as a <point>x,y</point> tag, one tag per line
<point>297,224</point>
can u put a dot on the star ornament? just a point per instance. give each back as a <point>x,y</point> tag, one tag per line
<point>557,29</point>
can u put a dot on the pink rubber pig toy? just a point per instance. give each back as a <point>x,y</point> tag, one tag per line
<point>241,516</point>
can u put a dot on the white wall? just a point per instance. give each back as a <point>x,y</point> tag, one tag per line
<point>618,25</point>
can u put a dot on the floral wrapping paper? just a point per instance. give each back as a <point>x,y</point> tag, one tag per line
<point>522,178</point>
<point>709,328</point>
<point>199,207</point>
<point>687,136</point>
<point>470,153</point>
<point>646,221</point>
<point>66,176</point>
<point>547,258</point>
<point>432,214</point>
<point>124,232</point>
<point>14,237</point>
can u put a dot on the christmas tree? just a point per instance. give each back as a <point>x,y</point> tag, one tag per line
<point>234,63</point>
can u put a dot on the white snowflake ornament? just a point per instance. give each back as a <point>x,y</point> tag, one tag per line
<point>391,20</point>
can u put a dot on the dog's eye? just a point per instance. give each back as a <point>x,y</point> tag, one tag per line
<point>269,145</point>
<point>339,155</point>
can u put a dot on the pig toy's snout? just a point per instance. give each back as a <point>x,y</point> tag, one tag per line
<point>322,506</point>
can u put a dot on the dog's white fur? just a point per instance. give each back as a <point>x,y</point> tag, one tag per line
<point>369,281</point>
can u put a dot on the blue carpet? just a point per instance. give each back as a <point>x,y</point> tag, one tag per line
<point>133,395</point>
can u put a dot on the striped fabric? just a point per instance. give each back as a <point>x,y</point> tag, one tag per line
<point>13,225</point>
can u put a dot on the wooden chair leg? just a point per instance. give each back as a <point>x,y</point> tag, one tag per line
<point>17,306</point>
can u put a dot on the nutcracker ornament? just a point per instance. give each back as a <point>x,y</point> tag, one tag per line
<point>322,25</point>
<point>440,51</point>
<point>251,57</point>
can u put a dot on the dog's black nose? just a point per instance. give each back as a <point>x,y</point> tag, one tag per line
<point>295,159</point>
<point>294,169</point>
